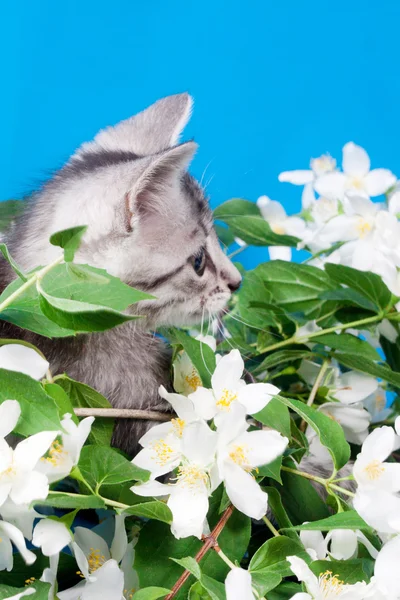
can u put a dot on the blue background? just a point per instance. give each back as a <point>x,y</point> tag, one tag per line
<point>274,82</point>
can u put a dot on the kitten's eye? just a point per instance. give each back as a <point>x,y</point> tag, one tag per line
<point>199,262</point>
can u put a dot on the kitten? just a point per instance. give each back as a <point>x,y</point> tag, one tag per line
<point>149,224</point>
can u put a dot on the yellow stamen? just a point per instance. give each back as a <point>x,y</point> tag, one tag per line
<point>95,560</point>
<point>178,426</point>
<point>163,452</point>
<point>277,228</point>
<point>357,182</point>
<point>374,469</point>
<point>226,399</point>
<point>239,455</point>
<point>363,227</point>
<point>56,454</point>
<point>380,401</point>
<point>192,476</point>
<point>330,585</point>
<point>193,380</point>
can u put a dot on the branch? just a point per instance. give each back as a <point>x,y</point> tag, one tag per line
<point>123,413</point>
<point>210,541</point>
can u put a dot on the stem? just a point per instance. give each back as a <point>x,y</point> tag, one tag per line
<point>238,251</point>
<point>270,526</point>
<point>113,503</point>
<point>304,338</point>
<point>31,281</point>
<point>209,542</point>
<point>341,490</point>
<point>314,390</point>
<point>123,413</point>
<point>223,556</point>
<point>304,474</point>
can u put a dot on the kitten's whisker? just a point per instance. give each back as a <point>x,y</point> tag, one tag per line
<point>235,318</point>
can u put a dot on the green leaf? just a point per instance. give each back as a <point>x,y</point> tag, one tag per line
<point>41,593</point>
<point>300,500</point>
<point>349,297</point>
<point>197,592</point>
<point>392,352</point>
<point>367,366</point>
<point>80,316</point>
<point>269,565</point>
<point>69,240</point>
<point>329,432</point>
<point>272,470</point>
<point>189,564</point>
<point>345,520</point>
<point>10,210</point>
<point>275,415</point>
<point>67,500</point>
<point>38,410</point>
<point>246,222</point>
<point>100,466</point>
<point>151,510</point>
<point>285,591</point>
<point>225,235</point>
<point>345,342</point>
<point>285,356</point>
<point>295,287</point>
<point>11,261</point>
<point>280,514</point>
<point>365,283</point>
<point>150,593</point>
<point>349,571</point>
<point>201,355</point>
<point>83,396</point>
<point>62,400</point>
<point>215,588</point>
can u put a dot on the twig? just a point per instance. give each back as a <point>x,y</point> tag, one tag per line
<point>314,390</point>
<point>123,413</point>
<point>209,542</point>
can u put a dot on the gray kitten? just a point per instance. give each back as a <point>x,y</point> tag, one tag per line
<point>149,224</point>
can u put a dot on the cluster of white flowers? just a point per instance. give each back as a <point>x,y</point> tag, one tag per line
<point>366,232</point>
<point>209,443</point>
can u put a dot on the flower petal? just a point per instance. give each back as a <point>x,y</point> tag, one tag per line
<point>6,455</point>
<point>303,573</point>
<point>243,491</point>
<point>189,508</point>
<point>151,488</point>
<point>199,443</point>
<point>255,396</point>
<point>14,534</point>
<point>297,177</point>
<point>387,566</point>
<point>183,406</point>
<point>315,544</point>
<point>107,583</point>
<point>204,403</point>
<point>10,411</point>
<point>87,540</point>
<point>29,486</point>
<point>238,585</point>
<point>271,210</point>
<point>331,185</point>
<point>262,447</point>
<point>162,461</point>
<point>280,253</point>
<point>353,387</point>
<point>378,181</point>
<point>29,451</point>
<point>355,160</point>
<point>75,436</point>
<point>378,508</point>
<point>379,444</point>
<point>51,536</point>
<point>21,516</point>
<point>119,544</point>
<point>228,373</point>
<point>343,543</point>
<point>6,554</point>
<point>16,357</point>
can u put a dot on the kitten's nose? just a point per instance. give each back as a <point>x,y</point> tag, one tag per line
<point>235,285</point>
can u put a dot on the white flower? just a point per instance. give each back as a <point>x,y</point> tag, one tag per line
<point>51,536</point>
<point>238,585</point>
<point>370,469</point>
<point>325,587</point>
<point>162,444</point>
<point>186,376</point>
<point>9,534</point>
<point>319,166</point>
<point>195,481</point>
<point>356,176</point>
<point>19,478</point>
<point>353,418</point>
<point>20,515</point>
<point>352,387</point>
<point>340,544</point>
<point>108,583</point>
<point>379,508</point>
<point>229,388</point>
<point>238,453</point>
<point>276,217</point>
<point>386,580</point>
<point>16,357</point>
<point>107,573</point>
<point>64,455</point>
<point>376,404</point>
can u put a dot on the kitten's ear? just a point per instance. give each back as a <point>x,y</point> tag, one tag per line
<point>156,185</point>
<point>150,131</point>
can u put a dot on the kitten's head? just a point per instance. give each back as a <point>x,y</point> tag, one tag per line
<point>148,220</point>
